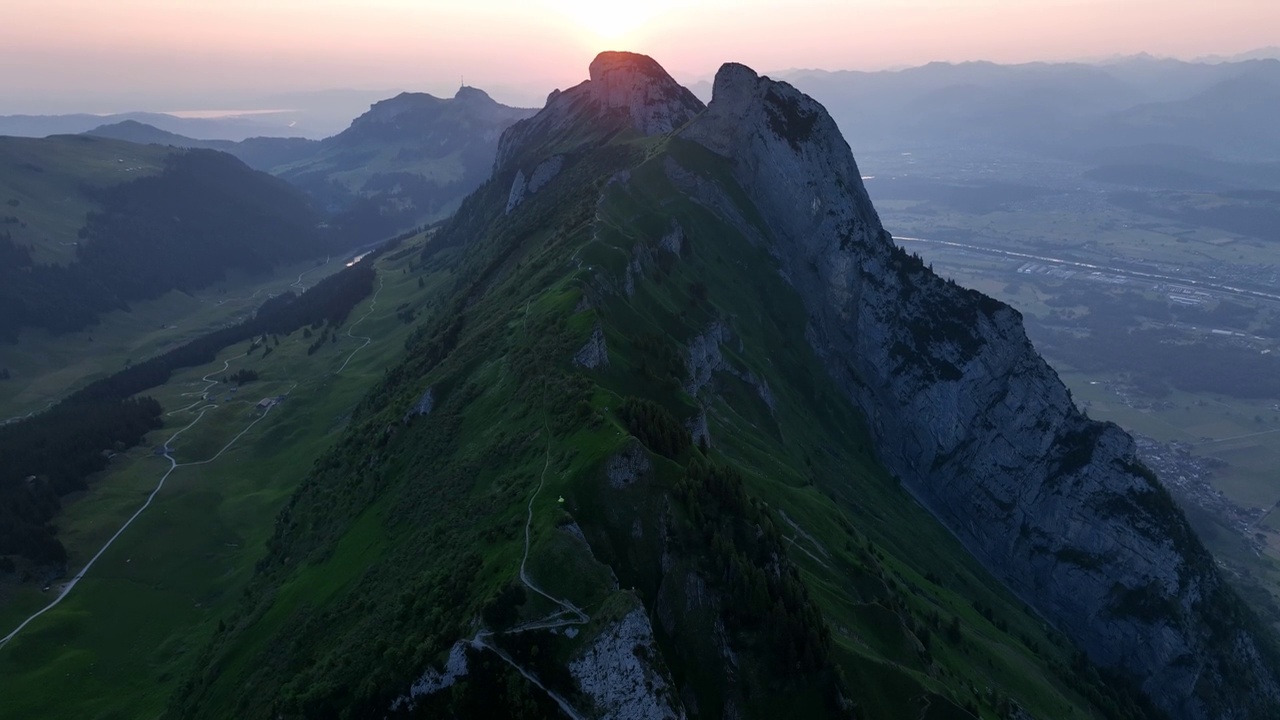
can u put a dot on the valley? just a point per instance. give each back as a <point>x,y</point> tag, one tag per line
<point>127,630</point>
<point>45,367</point>
<point>660,405</point>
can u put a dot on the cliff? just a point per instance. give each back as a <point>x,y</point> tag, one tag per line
<point>623,87</point>
<point>979,428</point>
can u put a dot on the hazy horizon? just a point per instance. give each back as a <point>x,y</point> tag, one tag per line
<point>158,56</point>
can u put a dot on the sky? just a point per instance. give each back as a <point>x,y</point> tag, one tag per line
<point>99,56</point>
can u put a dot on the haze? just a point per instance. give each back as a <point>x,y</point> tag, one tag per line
<point>75,55</point>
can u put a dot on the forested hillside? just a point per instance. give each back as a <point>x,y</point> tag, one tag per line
<point>203,214</point>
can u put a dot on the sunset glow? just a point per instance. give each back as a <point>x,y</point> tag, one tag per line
<point>133,54</point>
<point>610,21</point>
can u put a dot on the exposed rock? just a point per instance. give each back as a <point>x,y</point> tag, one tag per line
<point>975,423</point>
<point>541,175</point>
<point>762,389</point>
<point>640,256</point>
<point>595,353</point>
<point>423,406</point>
<point>630,87</point>
<point>545,172</point>
<point>622,177</point>
<point>621,673</point>
<point>516,195</point>
<point>699,430</point>
<point>433,681</point>
<point>627,466</point>
<point>703,357</point>
<point>673,241</point>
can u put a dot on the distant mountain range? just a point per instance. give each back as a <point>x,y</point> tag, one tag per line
<point>1224,109</point>
<point>310,114</point>
<point>408,160</point>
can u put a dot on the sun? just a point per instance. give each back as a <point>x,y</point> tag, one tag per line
<point>607,20</point>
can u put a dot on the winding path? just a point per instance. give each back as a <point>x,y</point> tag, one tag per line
<point>174,464</point>
<point>367,340</point>
<point>16,418</point>
<point>568,614</point>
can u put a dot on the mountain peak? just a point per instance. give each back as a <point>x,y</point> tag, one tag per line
<point>638,84</point>
<point>622,85</point>
<point>611,62</point>
<point>472,94</point>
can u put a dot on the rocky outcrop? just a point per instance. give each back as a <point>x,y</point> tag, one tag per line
<point>975,423</point>
<point>700,429</point>
<point>541,175</point>
<point>595,353</point>
<point>703,357</point>
<point>423,406</point>
<point>627,467</point>
<point>433,681</point>
<point>631,88</point>
<point>516,195</point>
<point>621,672</point>
<point>673,241</point>
<point>641,257</point>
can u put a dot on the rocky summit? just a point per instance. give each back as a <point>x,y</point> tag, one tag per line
<point>622,84</point>
<point>685,434</point>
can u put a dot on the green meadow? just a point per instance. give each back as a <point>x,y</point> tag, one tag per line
<point>115,645</point>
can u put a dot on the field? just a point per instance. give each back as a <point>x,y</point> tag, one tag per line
<point>47,367</point>
<point>46,186</point>
<point>123,635</point>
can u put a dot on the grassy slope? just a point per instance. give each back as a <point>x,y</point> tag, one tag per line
<point>48,367</point>
<point>376,157</point>
<point>47,178</point>
<point>810,460</point>
<point>117,644</point>
<point>404,533</point>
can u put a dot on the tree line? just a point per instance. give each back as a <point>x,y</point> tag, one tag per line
<point>183,229</point>
<point>51,454</point>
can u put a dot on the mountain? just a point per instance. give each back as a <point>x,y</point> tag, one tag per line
<point>691,437</point>
<point>1223,118</point>
<point>259,153</point>
<point>1059,109</point>
<point>407,161</point>
<point>92,224</point>
<point>1266,53</point>
<point>231,127</point>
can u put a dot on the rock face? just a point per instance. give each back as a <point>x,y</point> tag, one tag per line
<point>433,681</point>
<point>618,672</point>
<point>976,424</point>
<point>624,85</point>
<point>542,174</point>
<point>703,357</point>
<point>627,467</point>
<point>423,406</point>
<point>595,353</point>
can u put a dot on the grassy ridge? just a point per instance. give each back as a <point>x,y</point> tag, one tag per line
<point>403,538</point>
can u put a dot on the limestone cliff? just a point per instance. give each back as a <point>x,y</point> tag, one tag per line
<point>978,427</point>
<point>624,86</point>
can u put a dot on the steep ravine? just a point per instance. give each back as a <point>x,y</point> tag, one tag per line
<point>979,428</point>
